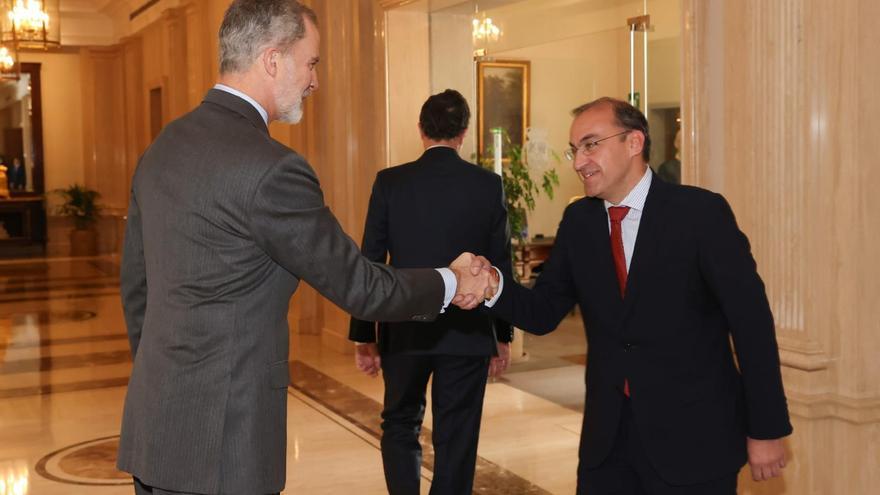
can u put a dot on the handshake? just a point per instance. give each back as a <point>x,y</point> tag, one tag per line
<point>477,280</point>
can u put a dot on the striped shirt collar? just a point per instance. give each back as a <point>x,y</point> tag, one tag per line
<point>636,198</point>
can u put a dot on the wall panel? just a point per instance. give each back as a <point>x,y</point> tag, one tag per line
<point>779,112</point>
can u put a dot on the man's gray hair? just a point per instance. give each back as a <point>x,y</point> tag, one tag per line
<point>250,26</point>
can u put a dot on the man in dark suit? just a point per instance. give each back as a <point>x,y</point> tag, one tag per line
<point>17,175</point>
<point>664,278</point>
<point>421,214</point>
<point>223,223</point>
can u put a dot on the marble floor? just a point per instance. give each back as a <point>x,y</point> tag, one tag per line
<point>64,366</point>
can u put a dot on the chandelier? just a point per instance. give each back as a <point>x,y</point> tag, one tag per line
<point>485,29</point>
<point>7,60</point>
<point>30,23</point>
<point>9,69</point>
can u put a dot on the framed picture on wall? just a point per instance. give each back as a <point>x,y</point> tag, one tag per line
<point>502,101</point>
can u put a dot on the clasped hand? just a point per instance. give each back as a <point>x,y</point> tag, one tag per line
<point>477,280</point>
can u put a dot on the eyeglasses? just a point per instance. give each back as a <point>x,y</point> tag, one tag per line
<point>589,147</point>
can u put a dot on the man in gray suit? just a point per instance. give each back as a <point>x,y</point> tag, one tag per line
<point>223,224</point>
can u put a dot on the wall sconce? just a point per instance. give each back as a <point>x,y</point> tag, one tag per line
<point>9,68</point>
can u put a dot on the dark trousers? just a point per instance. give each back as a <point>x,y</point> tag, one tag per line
<point>142,489</point>
<point>457,389</point>
<point>628,471</point>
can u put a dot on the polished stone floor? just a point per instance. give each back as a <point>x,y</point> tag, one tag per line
<point>64,366</point>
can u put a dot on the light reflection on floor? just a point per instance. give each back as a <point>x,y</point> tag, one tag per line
<point>64,365</point>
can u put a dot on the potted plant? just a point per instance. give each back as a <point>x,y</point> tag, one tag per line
<point>520,191</point>
<point>80,203</point>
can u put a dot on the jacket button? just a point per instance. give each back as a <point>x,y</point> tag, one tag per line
<point>627,346</point>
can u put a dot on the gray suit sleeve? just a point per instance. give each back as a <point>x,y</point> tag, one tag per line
<point>133,276</point>
<point>291,223</point>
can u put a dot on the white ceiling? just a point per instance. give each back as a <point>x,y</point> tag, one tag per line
<point>99,5</point>
<point>96,22</point>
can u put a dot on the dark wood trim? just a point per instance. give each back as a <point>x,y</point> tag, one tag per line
<point>35,214</point>
<point>143,8</point>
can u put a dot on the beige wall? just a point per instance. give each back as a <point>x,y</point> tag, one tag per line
<point>781,120</point>
<point>452,66</point>
<point>61,85</point>
<point>409,79</point>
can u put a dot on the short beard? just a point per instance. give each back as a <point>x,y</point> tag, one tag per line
<point>292,114</point>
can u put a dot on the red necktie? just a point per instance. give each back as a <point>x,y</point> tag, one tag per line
<point>616,214</point>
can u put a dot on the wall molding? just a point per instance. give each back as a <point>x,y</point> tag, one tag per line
<point>393,4</point>
<point>855,410</point>
<point>804,355</point>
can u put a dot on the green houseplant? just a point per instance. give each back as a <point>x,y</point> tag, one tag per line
<point>520,190</point>
<point>81,204</point>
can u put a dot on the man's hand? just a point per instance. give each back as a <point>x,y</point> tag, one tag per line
<point>367,359</point>
<point>498,364</point>
<point>766,458</point>
<point>473,275</point>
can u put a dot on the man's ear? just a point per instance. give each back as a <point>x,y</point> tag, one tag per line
<point>636,141</point>
<point>269,61</point>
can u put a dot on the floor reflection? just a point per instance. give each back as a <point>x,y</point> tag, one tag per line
<point>14,477</point>
<point>65,363</point>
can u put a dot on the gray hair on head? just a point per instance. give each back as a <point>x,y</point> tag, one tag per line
<point>250,26</point>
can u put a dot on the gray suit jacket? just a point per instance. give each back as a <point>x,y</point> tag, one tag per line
<point>223,223</point>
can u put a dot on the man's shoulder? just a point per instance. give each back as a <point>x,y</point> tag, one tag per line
<point>227,140</point>
<point>690,196</point>
<point>693,205</point>
<point>397,170</point>
<point>423,167</point>
<point>581,207</point>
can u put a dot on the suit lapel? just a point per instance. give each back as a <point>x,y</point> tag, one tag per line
<point>647,241</point>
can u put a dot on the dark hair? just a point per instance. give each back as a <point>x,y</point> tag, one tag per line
<point>444,115</point>
<point>249,26</point>
<point>625,116</point>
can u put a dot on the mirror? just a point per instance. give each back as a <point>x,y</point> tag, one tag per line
<point>22,214</point>
<point>21,133</point>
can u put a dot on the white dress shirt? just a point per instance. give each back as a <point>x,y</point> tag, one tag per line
<point>629,226</point>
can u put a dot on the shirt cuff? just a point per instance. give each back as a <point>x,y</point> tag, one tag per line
<point>491,302</point>
<point>451,286</point>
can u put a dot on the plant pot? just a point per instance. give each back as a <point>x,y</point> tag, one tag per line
<point>84,242</point>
